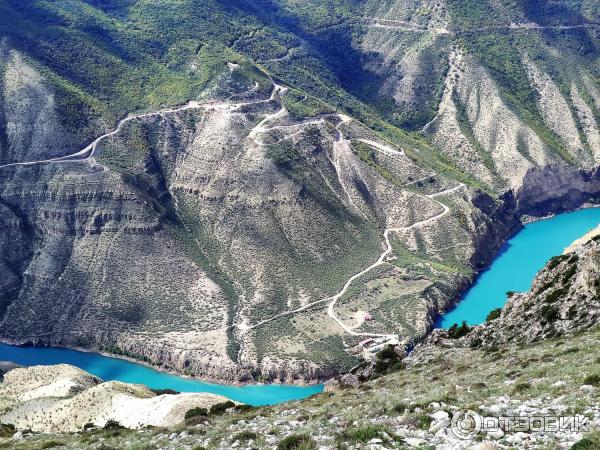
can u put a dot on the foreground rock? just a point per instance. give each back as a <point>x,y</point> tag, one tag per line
<point>5,367</point>
<point>63,398</point>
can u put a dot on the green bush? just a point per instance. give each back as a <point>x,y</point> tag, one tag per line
<point>245,436</point>
<point>387,352</point>
<point>297,442</point>
<point>522,387</point>
<point>196,412</point>
<point>388,360</point>
<point>555,261</point>
<point>549,313</point>
<point>363,434</point>
<point>245,408</point>
<point>457,331</point>
<point>594,380</point>
<point>220,408</point>
<point>113,425</point>
<point>52,444</point>
<point>587,443</point>
<point>556,295</point>
<point>423,421</point>
<point>7,430</point>
<point>400,407</point>
<point>493,315</point>
<point>165,391</point>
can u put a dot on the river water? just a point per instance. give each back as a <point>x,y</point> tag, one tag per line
<point>517,263</point>
<point>121,370</point>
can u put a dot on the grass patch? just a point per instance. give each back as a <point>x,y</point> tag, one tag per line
<point>297,442</point>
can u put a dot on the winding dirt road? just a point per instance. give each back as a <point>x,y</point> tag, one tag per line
<point>88,152</point>
<point>341,144</point>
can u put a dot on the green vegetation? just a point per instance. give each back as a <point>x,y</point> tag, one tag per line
<point>364,434</point>
<point>370,156</point>
<point>297,442</point>
<point>220,408</point>
<point>300,106</point>
<point>457,331</point>
<point>549,313</point>
<point>555,261</point>
<point>493,315</point>
<point>195,412</point>
<point>113,425</point>
<point>52,444</point>
<point>245,436</point>
<point>387,360</point>
<point>590,442</point>
<point>6,430</point>
<point>593,380</point>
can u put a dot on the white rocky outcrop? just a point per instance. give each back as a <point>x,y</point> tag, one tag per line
<point>63,398</point>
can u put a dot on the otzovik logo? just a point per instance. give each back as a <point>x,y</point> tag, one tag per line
<point>465,424</point>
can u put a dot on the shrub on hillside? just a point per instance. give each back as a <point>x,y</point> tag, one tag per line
<point>457,331</point>
<point>220,408</point>
<point>594,380</point>
<point>387,360</point>
<point>549,313</point>
<point>196,412</point>
<point>493,315</point>
<point>7,430</point>
<point>297,442</point>
<point>113,425</point>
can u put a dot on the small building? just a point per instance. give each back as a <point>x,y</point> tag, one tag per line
<point>368,317</point>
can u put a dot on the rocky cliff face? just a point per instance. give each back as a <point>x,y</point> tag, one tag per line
<point>556,188</point>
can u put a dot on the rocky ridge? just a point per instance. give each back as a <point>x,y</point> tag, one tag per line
<point>63,398</point>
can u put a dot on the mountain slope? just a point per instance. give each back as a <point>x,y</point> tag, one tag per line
<point>272,173</point>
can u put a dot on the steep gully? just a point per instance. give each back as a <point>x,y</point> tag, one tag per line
<point>341,144</point>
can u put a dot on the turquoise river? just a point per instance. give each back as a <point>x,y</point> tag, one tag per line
<point>512,270</point>
<point>518,262</point>
<point>121,370</point>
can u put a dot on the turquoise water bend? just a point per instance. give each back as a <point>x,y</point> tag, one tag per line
<point>517,263</point>
<point>121,370</point>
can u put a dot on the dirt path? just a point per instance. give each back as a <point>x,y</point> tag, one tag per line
<point>89,151</point>
<point>384,148</point>
<point>401,25</point>
<point>382,260</point>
